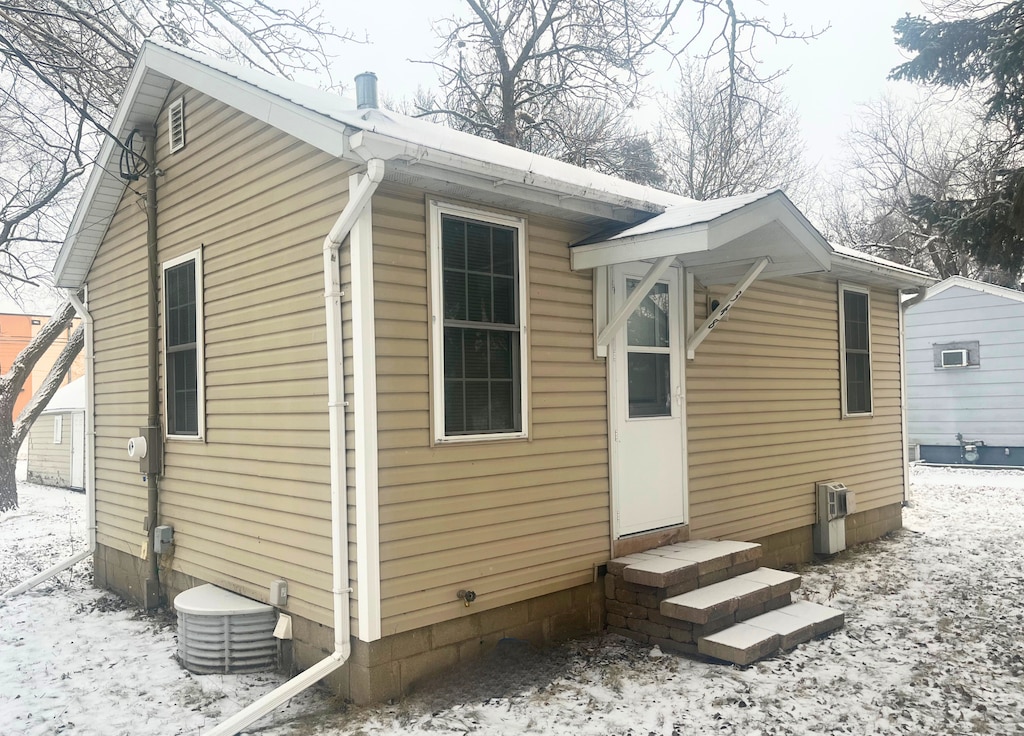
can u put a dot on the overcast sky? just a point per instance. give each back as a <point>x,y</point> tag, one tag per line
<point>828,77</point>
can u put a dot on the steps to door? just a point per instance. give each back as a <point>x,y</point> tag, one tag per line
<point>711,598</point>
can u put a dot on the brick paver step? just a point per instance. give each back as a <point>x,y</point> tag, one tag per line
<point>740,644</point>
<point>684,561</point>
<point>763,635</point>
<point>741,593</point>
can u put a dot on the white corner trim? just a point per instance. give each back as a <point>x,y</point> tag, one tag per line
<point>364,392</point>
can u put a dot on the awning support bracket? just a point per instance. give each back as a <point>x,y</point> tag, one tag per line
<point>639,293</point>
<point>716,317</point>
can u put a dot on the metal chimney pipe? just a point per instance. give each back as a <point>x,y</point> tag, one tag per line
<point>366,91</point>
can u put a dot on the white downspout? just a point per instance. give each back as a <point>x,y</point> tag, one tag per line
<point>359,199</point>
<point>90,463</point>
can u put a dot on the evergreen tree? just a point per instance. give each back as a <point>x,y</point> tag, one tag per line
<point>981,47</point>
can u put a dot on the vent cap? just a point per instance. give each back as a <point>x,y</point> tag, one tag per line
<point>366,91</point>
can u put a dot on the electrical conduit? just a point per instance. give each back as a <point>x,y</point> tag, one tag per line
<point>359,199</point>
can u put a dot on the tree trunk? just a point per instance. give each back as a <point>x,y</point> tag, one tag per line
<point>8,465</point>
<point>13,433</point>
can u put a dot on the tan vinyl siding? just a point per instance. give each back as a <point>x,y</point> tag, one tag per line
<point>49,462</point>
<point>117,301</point>
<point>250,503</point>
<point>764,412</point>
<point>510,520</point>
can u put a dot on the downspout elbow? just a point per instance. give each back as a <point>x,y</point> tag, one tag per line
<point>917,297</point>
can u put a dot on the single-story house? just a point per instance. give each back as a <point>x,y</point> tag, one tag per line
<point>965,374</point>
<point>432,385</point>
<point>56,442</point>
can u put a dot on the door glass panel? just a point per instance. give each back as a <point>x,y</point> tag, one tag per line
<point>648,348</point>
<point>649,381</point>
<point>648,325</point>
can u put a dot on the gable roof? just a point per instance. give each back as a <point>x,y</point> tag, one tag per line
<point>974,285</point>
<point>68,398</point>
<point>417,151</point>
<point>457,164</point>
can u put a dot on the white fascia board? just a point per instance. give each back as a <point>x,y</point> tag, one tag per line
<point>894,274</point>
<point>974,285</point>
<point>528,184</point>
<point>99,179</point>
<point>313,128</point>
<point>680,241</point>
<point>103,190</point>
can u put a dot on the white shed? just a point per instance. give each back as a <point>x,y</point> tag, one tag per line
<point>56,442</point>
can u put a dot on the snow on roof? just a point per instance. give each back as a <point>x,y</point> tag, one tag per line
<point>859,258</point>
<point>69,398</point>
<point>329,121</point>
<point>975,285</point>
<point>690,212</point>
<point>424,133</point>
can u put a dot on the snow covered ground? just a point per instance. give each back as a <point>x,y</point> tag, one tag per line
<point>933,644</point>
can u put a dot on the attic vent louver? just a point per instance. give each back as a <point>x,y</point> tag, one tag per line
<point>176,124</point>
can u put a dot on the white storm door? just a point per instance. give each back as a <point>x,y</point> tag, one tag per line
<point>648,406</point>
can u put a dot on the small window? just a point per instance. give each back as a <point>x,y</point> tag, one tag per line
<point>855,349</point>
<point>478,302</point>
<point>183,346</point>
<point>176,124</point>
<point>58,429</point>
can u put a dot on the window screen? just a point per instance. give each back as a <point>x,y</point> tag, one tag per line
<point>180,321</point>
<point>857,348</point>
<point>482,380</point>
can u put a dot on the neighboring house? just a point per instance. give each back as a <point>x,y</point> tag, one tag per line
<point>56,442</point>
<point>965,374</point>
<point>16,331</point>
<point>493,410</point>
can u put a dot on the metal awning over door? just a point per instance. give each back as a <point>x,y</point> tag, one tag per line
<point>733,240</point>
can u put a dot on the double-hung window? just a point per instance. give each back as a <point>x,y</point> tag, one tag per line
<point>183,346</point>
<point>855,349</point>
<point>478,301</point>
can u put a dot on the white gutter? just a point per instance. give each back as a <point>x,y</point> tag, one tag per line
<point>359,199</point>
<point>90,463</point>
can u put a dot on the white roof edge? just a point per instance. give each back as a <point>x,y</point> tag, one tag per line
<point>974,285</point>
<point>68,398</point>
<point>860,261</point>
<point>325,120</point>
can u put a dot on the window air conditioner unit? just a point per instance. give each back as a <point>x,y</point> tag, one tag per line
<point>954,358</point>
<point>834,502</point>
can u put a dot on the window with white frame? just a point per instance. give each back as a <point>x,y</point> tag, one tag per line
<point>479,308</point>
<point>58,429</point>
<point>183,346</point>
<point>855,347</point>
